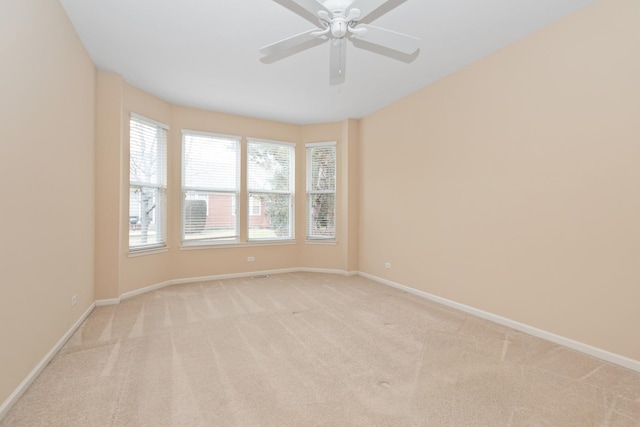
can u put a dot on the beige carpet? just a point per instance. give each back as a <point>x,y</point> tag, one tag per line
<point>315,350</point>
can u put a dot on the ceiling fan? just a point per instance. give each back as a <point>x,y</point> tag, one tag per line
<point>339,20</point>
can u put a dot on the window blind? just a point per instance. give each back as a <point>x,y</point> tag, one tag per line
<point>210,187</point>
<point>147,183</point>
<point>321,190</point>
<point>271,190</point>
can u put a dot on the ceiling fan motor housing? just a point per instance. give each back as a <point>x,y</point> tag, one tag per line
<point>339,27</point>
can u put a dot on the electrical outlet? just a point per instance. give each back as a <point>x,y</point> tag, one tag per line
<point>387,265</point>
<point>251,259</point>
<point>74,300</point>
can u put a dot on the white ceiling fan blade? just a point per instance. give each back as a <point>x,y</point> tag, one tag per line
<point>366,7</point>
<point>308,9</point>
<point>338,60</point>
<point>354,14</point>
<point>311,6</point>
<point>389,39</point>
<point>289,43</point>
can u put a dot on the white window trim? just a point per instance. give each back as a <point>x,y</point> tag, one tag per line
<point>320,239</point>
<point>161,246</point>
<point>211,242</point>
<point>270,141</point>
<point>292,224</point>
<point>147,251</point>
<point>210,134</point>
<point>321,144</point>
<point>148,120</point>
<point>249,244</point>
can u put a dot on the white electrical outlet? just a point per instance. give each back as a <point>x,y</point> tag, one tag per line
<point>387,265</point>
<point>74,300</point>
<point>251,259</point>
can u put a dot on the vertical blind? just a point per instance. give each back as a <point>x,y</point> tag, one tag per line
<point>271,189</point>
<point>210,187</point>
<point>321,190</point>
<point>147,183</point>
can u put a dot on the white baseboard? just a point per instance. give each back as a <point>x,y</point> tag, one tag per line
<point>110,301</point>
<point>548,336</point>
<point>24,385</point>
<point>260,273</point>
<point>144,290</point>
<point>584,348</point>
<point>157,286</point>
<point>232,276</point>
<point>327,271</point>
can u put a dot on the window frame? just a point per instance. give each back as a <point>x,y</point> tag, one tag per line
<point>235,192</point>
<point>160,212</point>
<point>309,237</point>
<point>250,193</point>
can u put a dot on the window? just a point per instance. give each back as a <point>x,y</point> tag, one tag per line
<point>255,206</point>
<point>147,183</point>
<point>210,187</point>
<point>321,190</point>
<point>270,187</point>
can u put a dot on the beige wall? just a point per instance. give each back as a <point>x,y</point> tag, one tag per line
<point>109,128</point>
<point>512,185</point>
<point>138,272</point>
<point>47,103</point>
<point>117,272</point>
<point>216,261</point>
<point>342,255</point>
<point>350,198</point>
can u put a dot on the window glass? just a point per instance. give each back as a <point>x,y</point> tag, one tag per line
<point>210,188</point>
<point>147,183</point>
<point>321,191</point>
<point>270,186</point>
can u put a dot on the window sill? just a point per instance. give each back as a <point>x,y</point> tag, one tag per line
<point>147,251</point>
<point>329,242</point>
<point>253,243</point>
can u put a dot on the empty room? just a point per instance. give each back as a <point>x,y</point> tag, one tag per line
<point>320,213</point>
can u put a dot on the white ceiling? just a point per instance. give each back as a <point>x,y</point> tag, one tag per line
<point>204,53</point>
